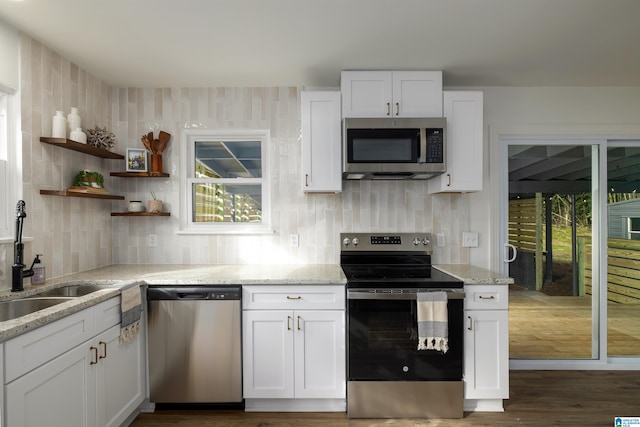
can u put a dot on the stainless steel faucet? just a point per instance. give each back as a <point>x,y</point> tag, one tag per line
<point>18,271</point>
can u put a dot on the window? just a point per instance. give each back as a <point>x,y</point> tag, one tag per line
<point>224,181</point>
<point>633,228</point>
<point>5,182</point>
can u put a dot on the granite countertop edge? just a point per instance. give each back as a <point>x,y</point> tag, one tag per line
<point>116,277</point>
<point>471,275</point>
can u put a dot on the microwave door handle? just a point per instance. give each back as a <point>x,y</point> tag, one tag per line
<point>422,158</point>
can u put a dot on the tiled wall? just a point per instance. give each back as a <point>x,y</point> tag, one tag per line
<point>318,219</point>
<point>75,234</point>
<point>72,234</point>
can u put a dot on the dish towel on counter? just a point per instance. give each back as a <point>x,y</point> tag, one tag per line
<point>131,309</point>
<point>433,323</point>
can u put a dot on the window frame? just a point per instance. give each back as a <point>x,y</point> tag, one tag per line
<point>10,156</point>
<point>187,178</point>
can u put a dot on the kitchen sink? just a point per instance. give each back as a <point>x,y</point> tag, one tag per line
<point>70,291</point>
<point>21,307</point>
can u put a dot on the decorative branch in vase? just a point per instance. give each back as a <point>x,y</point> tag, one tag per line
<point>155,147</point>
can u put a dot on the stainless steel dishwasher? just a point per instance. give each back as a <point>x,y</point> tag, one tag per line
<point>194,340</point>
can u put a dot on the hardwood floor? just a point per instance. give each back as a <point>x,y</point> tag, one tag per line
<point>537,398</point>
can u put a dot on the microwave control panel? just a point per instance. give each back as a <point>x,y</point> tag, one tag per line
<point>435,146</point>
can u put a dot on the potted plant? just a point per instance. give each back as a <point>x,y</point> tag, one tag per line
<point>155,205</point>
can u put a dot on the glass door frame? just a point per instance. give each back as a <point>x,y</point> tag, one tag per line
<point>599,358</point>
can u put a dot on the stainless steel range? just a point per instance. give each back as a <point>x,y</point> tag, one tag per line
<point>388,377</point>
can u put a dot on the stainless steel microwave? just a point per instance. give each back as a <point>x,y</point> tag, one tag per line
<point>394,148</point>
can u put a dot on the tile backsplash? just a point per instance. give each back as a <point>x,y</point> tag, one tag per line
<point>77,234</point>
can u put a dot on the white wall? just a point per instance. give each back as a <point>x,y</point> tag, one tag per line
<point>541,111</point>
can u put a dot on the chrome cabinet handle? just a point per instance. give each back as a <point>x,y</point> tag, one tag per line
<point>298,322</point>
<point>388,109</point>
<point>104,350</point>
<point>298,297</point>
<point>470,327</point>
<point>306,179</point>
<point>483,297</point>
<point>448,180</point>
<point>288,323</point>
<point>95,355</point>
<point>397,108</point>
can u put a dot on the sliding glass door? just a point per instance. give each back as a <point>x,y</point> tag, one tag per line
<point>553,194</point>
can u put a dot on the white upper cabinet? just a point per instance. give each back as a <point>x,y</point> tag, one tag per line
<point>321,142</point>
<point>463,110</point>
<point>391,93</point>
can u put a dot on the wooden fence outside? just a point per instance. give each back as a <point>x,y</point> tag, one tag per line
<point>623,270</point>
<point>526,217</point>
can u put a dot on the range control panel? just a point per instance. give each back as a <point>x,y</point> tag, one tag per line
<point>386,242</point>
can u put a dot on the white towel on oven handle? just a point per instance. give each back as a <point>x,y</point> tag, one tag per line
<point>433,321</point>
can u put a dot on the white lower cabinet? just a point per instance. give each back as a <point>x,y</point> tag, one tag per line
<point>486,344</point>
<point>121,378</point>
<point>294,359</point>
<point>98,382</point>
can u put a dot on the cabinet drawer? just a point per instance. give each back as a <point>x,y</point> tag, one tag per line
<point>107,314</point>
<point>30,350</point>
<point>293,297</point>
<point>487,297</point>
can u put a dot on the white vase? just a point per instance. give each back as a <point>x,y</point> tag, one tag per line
<point>73,121</point>
<point>59,126</point>
<point>78,136</point>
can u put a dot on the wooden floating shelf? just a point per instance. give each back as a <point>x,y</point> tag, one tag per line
<point>140,214</point>
<point>65,193</point>
<point>82,148</point>
<point>139,175</point>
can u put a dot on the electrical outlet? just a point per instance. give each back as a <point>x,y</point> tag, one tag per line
<point>469,239</point>
<point>293,240</point>
<point>440,240</point>
<point>152,240</point>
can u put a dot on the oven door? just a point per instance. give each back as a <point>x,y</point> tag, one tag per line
<point>383,339</point>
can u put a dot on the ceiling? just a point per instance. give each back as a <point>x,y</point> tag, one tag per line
<point>568,169</point>
<point>191,43</point>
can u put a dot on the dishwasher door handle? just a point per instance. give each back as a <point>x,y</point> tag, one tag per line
<point>192,295</point>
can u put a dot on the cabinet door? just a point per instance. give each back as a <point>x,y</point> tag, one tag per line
<point>321,142</point>
<point>267,354</point>
<point>121,377</point>
<point>417,94</point>
<point>486,347</point>
<point>366,93</point>
<point>464,114</point>
<point>319,354</point>
<point>58,393</point>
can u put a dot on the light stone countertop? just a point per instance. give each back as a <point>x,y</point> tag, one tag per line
<point>115,277</point>
<point>471,275</point>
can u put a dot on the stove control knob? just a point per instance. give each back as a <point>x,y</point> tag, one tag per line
<point>416,241</point>
<point>426,241</point>
<point>346,241</point>
<point>355,241</point>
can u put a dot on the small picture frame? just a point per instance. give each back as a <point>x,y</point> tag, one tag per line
<point>137,160</point>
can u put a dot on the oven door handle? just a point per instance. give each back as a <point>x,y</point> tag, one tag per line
<point>360,294</point>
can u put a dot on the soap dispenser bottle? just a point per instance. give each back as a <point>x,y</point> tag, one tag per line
<point>38,271</point>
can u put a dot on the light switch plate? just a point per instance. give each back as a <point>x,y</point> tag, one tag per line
<point>469,239</point>
<point>440,240</point>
